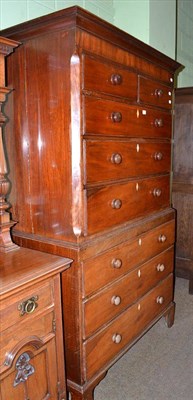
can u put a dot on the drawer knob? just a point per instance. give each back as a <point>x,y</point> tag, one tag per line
<point>116,116</point>
<point>158,92</point>
<point>116,300</point>
<point>157,192</point>
<point>116,338</point>
<point>160,267</point>
<point>116,263</point>
<point>116,158</point>
<point>116,79</point>
<point>116,204</point>
<point>158,123</point>
<point>158,156</point>
<point>162,238</point>
<point>28,306</point>
<point>160,300</point>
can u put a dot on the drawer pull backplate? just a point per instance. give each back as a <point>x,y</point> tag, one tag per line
<point>28,306</point>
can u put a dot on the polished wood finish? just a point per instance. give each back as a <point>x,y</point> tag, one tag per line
<point>182,197</point>
<point>6,243</point>
<point>31,326</point>
<point>92,150</point>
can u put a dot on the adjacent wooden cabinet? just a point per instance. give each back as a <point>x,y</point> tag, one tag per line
<point>31,335</point>
<point>90,159</point>
<point>182,197</point>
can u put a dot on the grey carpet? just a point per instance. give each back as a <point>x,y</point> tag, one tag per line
<point>160,365</point>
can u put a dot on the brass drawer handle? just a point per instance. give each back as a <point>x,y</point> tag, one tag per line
<point>116,263</point>
<point>158,156</point>
<point>116,116</point>
<point>160,267</point>
<point>116,204</point>
<point>28,306</point>
<point>157,192</point>
<point>116,158</point>
<point>116,338</point>
<point>158,123</point>
<point>116,300</point>
<point>158,92</point>
<point>160,300</point>
<point>116,79</point>
<point>162,238</point>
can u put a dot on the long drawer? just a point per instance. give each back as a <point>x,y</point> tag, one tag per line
<point>104,117</point>
<point>116,262</point>
<point>152,92</point>
<point>107,343</point>
<point>109,160</point>
<point>114,204</point>
<point>106,304</point>
<point>109,78</point>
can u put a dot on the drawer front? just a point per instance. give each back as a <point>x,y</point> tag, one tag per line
<point>27,303</point>
<point>109,302</point>
<point>20,333</point>
<point>108,160</point>
<point>116,262</point>
<point>110,79</point>
<point>104,117</point>
<point>105,345</point>
<point>116,204</point>
<point>152,92</point>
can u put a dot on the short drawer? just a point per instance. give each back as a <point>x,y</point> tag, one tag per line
<point>104,117</point>
<point>116,262</point>
<point>109,160</point>
<point>100,349</point>
<point>21,307</point>
<point>108,78</point>
<point>152,92</point>
<point>115,204</point>
<point>11,338</point>
<point>106,304</point>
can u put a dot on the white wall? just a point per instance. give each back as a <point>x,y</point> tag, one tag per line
<point>13,12</point>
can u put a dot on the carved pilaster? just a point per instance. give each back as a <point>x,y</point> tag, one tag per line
<point>6,244</point>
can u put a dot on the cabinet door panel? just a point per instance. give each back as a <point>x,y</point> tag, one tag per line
<point>41,383</point>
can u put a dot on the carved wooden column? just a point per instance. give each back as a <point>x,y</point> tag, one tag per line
<point>6,244</point>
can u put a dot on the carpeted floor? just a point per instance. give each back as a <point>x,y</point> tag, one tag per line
<point>160,365</point>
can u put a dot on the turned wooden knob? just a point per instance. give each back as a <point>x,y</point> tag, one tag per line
<point>160,267</point>
<point>158,122</point>
<point>157,192</point>
<point>116,263</point>
<point>116,204</point>
<point>116,79</point>
<point>116,158</point>
<point>116,116</point>
<point>158,156</point>
<point>162,238</point>
<point>116,338</point>
<point>160,300</point>
<point>158,92</point>
<point>116,300</point>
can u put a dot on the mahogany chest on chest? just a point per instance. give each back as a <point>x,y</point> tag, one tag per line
<point>90,155</point>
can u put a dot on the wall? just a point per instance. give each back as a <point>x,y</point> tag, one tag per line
<point>13,12</point>
<point>185,41</point>
<point>133,17</point>
<point>152,21</point>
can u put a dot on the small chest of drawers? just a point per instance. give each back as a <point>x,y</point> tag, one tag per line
<point>31,334</point>
<point>94,152</point>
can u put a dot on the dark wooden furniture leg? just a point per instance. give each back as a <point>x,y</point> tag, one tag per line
<point>169,316</point>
